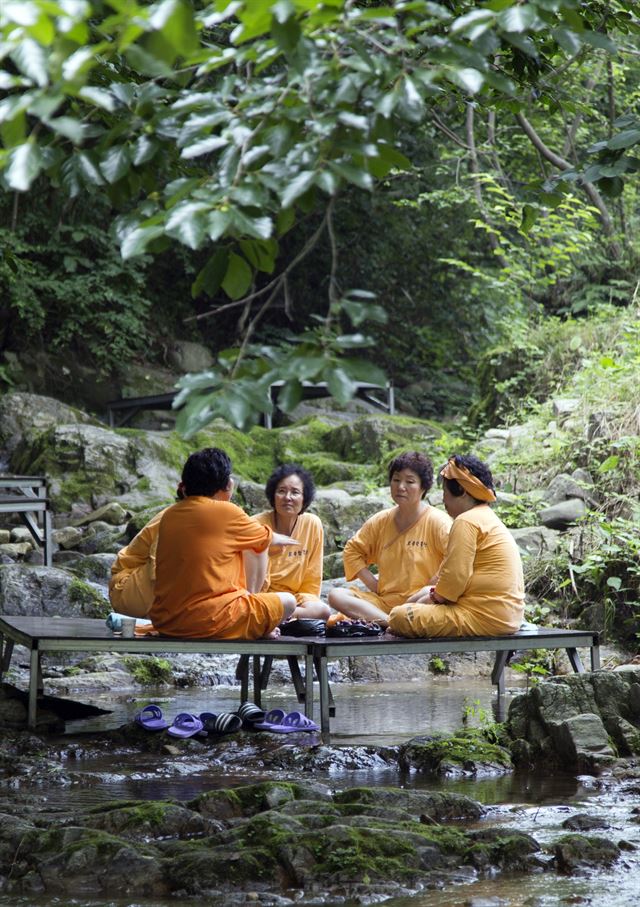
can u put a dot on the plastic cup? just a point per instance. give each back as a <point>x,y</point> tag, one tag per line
<point>128,627</point>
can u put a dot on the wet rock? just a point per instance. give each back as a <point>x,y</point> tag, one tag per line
<point>573,852</point>
<point>148,820</point>
<point>583,822</point>
<point>21,534</point>
<point>95,567</point>
<point>465,753</point>
<point>5,536</point>
<point>48,591</point>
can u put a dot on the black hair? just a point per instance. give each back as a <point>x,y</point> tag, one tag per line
<point>206,472</point>
<point>477,468</point>
<point>283,472</point>
<point>416,462</point>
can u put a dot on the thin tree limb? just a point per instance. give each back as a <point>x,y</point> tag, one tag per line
<point>477,188</point>
<point>562,164</point>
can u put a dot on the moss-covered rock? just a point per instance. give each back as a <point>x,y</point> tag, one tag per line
<point>467,751</point>
<point>149,670</point>
<point>575,851</point>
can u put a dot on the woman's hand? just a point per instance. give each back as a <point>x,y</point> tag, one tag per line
<point>280,539</point>
<point>422,595</point>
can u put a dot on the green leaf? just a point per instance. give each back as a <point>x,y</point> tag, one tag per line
<point>174,19</point>
<point>146,63</point>
<point>68,127</point>
<point>517,18</point>
<point>259,227</point>
<point>80,62</point>
<point>469,79</point>
<point>614,582</point>
<point>297,187</point>
<point>115,163</point>
<point>289,395</point>
<point>187,222</point>
<point>136,242</point>
<point>238,277</point>
<point>529,217</point>
<point>624,139</point>
<point>210,277</point>
<point>355,175</point>
<point>25,163</point>
<point>286,34</point>
<point>204,146</point>
<point>609,464</point>
<point>99,97</point>
<point>31,60</point>
<point>218,222</point>
<point>340,385</point>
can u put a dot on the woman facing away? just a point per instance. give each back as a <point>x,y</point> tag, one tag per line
<point>480,588</point>
<point>204,541</point>
<point>290,490</point>
<point>407,542</point>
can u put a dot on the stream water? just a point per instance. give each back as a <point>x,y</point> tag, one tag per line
<point>367,715</point>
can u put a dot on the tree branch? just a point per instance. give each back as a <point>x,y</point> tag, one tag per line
<point>477,188</point>
<point>590,190</point>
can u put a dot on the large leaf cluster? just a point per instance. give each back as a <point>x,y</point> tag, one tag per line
<point>219,124</point>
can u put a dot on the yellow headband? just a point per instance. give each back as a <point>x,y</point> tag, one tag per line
<point>471,484</point>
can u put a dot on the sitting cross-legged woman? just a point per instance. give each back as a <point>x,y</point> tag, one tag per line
<point>407,543</point>
<point>290,490</point>
<point>480,589</point>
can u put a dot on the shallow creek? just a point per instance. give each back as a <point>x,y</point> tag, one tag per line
<point>367,716</point>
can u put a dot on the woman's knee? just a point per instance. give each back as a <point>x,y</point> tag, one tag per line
<point>336,598</point>
<point>288,603</point>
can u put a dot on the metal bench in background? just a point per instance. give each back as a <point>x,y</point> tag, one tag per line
<point>127,407</point>
<point>28,497</point>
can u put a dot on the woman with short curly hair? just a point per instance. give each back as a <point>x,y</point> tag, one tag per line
<point>290,490</point>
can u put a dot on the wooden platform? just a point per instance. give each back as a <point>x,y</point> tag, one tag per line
<point>42,635</point>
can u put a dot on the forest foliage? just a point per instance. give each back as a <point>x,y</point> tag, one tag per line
<point>339,186</point>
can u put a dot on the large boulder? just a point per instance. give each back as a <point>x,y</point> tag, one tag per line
<point>23,417</point>
<point>563,514</point>
<point>95,464</point>
<point>343,514</point>
<point>49,592</point>
<point>536,540</point>
<point>579,721</point>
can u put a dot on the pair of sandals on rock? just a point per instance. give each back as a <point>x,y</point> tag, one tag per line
<point>248,716</point>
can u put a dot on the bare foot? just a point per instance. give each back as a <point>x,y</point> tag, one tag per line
<point>273,635</point>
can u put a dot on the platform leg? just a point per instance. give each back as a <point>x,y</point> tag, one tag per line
<point>575,660</point>
<point>242,674</point>
<point>35,679</point>
<point>296,678</point>
<point>595,656</point>
<point>308,685</point>
<point>331,701</point>
<point>265,673</point>
<point>257,692</point>
<point>47,541</point>
<point>497,675</point>
<point>323,677</point>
